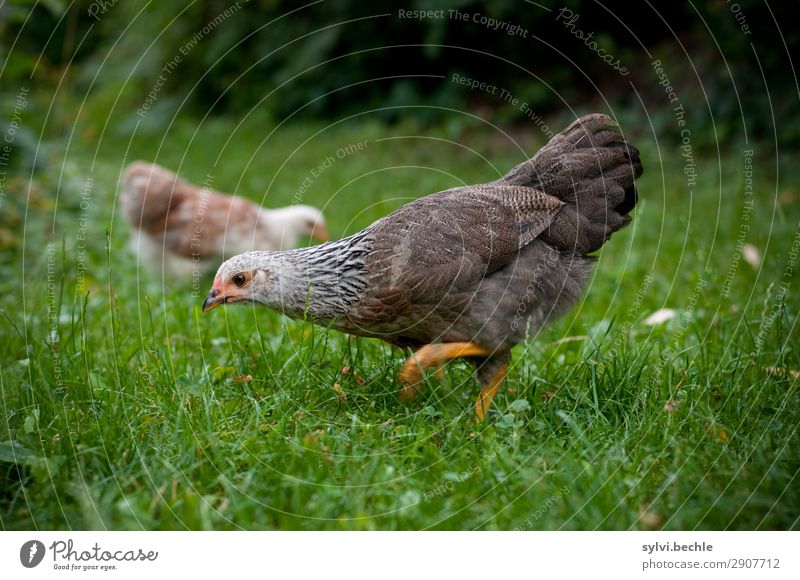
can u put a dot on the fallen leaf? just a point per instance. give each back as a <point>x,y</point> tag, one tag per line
<point>751,255</point>
<point>650,519</point>
<point>547,395</point>
<point>346,371</point>
<point>660,316</point>
<point>340,392</point>
<point>242,379</point>
<point>671,406</point>
<point>717,433</point>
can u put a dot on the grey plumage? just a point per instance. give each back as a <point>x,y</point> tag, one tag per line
<point>475,252</point>
<point>481,264</point>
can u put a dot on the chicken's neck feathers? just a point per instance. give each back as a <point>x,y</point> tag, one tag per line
<point>319,282</point>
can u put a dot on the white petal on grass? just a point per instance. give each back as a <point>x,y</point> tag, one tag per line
<point>751,255</point>
<point>660,316</point>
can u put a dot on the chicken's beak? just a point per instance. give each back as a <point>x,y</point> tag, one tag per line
<point>213,300</point>
<point>320,232</point>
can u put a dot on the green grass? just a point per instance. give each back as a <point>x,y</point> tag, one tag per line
<point>125,407</point>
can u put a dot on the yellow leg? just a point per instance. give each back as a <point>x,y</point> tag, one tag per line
<point>488,392</point>
<point>429,356</point>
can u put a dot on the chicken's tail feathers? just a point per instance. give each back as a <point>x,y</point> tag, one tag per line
<point>149,192</point>
<point>592,169</point>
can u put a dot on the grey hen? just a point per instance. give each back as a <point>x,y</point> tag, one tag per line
<point>465,272</point>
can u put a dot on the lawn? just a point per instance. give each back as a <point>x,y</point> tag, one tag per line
<point>125,407</point>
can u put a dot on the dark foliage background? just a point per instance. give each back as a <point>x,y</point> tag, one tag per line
<point>332,58</point>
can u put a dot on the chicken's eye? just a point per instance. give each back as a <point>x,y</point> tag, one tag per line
<point>239,280</point>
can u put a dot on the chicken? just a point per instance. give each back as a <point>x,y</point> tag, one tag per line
<point>464,273</point>
<point>188,230</point>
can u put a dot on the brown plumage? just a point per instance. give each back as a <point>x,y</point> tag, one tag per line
<point>187,229</point>
<point>465,272</point>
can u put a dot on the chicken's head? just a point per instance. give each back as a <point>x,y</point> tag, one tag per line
<point>244,278</point>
